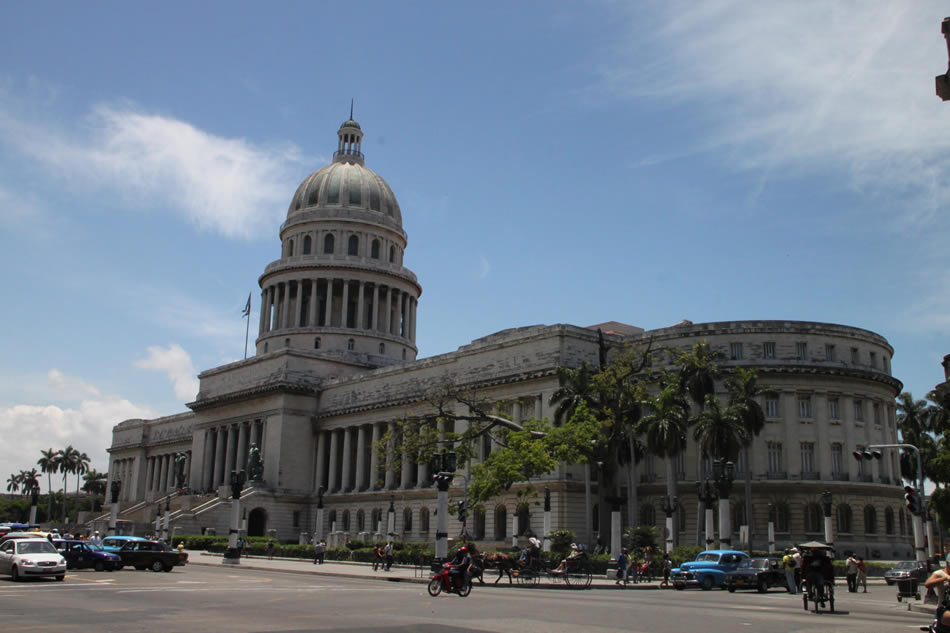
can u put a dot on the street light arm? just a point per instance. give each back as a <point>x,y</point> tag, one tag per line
<point>920,466</point>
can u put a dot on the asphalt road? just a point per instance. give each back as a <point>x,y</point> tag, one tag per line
<point>200,599</point>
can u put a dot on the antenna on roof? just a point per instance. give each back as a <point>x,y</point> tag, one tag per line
<point>351,109</point>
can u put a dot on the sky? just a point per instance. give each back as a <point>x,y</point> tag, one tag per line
<point>570,162</point>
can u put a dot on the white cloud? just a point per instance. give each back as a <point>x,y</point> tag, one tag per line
<point>802,87</point>
<point>177,365</point>
<point>484,268</point>
<point>227,185</point>
<point>85,421</point>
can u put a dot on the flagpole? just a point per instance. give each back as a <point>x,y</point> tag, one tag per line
<point>247,331</point>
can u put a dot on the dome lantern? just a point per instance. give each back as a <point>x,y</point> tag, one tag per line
<point>350,139</point>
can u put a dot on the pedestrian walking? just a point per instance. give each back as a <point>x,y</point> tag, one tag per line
<point>319,551</point>
<point>862,579</point>
<point>623,567</point>
<point>388,551</point>
<point>270,549</point>
<point>788,564</point>
<point>851,572</point>
<point>378,557</point>
<point>667,570</point>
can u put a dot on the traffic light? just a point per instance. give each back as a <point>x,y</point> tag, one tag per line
<point>462,511</point>
<point>912,499</point>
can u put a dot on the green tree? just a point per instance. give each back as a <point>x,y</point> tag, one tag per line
<point>13,483</point>
<point>913,422</point>
<point>95,482</point>
<point>48,464</point>
<point>743,389</point>
<point>80,468</point>
<point>65,463</point>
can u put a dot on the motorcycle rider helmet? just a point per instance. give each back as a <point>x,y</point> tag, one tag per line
<point>463,549</point>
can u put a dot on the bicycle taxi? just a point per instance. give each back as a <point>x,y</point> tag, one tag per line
<point>818,576</point>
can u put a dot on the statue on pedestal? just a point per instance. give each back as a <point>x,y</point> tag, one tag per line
<point>180,459</point>
<point>255,465</point>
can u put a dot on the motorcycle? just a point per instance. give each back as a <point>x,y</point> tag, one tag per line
<point>443,581</point>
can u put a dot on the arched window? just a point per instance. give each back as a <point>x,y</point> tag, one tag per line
<point>501,523</point>
<point>813,518</point>
<point>392,254</point>
<point>870,520</point>
<point>407,521</point>
<point>290,248</point>
<point>888,520</point>
<point>353,248</point>
<point>350,344</point>
<point>332,519</point>
<point>374,249</point>
<point>346,520</point>
<point>360,521</point>
<point>778,515</point>
<point>377,517</point>
<point>647,515</point>
<point>382,348</point>
<point>328,243</point>
<point>478,524</point>
<point>316,343</point>
<point>844,518</point>
<point>903,525</point>
<point>524,519</point>
<point>424,520</point>
<point>306,245</point>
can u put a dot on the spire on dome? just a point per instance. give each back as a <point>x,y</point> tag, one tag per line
<point>350,138</point>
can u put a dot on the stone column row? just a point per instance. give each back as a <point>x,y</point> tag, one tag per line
<point>225,449</point>
<point>160,472</point>
<point>122,469</point>
<point>390,310</point>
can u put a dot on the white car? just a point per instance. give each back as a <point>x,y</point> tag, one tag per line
<point>25,558</point>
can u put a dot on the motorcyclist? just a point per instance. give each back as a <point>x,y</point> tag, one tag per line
<point>938,581</point>
<point>460,566</point>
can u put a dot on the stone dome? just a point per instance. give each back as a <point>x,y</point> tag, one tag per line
<point>346,187</point>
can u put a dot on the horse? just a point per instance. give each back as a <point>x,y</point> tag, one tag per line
<point>492,560</point>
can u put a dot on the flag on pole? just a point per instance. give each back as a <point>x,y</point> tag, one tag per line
<point>247,308</point>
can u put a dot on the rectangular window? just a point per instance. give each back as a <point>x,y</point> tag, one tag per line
<point>768,350</point>
<point>771,406</point>
<point>877,414</point>
<point>873,357</point>
<point>859,410</point>
<point>296,518</point>
<point>837,457</point>
<point>801,350</point>
<point>775,457</point>
<point>740,462</point>
<point>804,407</point>
<point>735,350</point>
<point>886,368</point>
<point>829,352</point>
<point>854,356</point>
<point>808,457</point>
<point>834,411</point>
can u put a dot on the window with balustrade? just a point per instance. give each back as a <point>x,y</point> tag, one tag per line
<point>843,513</point>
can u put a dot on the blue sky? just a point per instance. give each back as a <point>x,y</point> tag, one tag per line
<point>555,163</point>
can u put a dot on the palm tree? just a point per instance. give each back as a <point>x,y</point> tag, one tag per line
<point>698,372</point>
<point>743,390</point>
<point>13,483</point>
<point>80,468</point>
<point>576,386</point>
<point>31,486</point>
<point>913,422</point>
<point>48,465</point>
<point>664,427</point>
<point>65,462</point>
<point>95,482</point>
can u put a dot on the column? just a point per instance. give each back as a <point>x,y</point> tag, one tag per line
<point>321,460</point>
<point>164,473</point>
<point>229,450</point>
<point>393,311</point>
<point>263,304</point>
<point>313,303</point>
<point>822,443</point>
<point>360,314</point>
<point>207,475</point>
<point>285,307</point>
<point>334,475</point>
<point>387,313</point>
<point>149,474</point>
<point>406,471</point>
<point>390,473</point>
<point>422,475</point>
<point>219,458</point>
<point>374,459</point>
<point>361,454</point>
<point>404,308</point>
<point>415,310</point>
<point>374,324</point>
<point>328,312</point>
<point>241,459</point>
<point>347,452</point>
<point>792,450</point>
<point>344,312</point>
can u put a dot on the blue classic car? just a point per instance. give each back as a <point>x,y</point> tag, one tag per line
<point>709,569</point>
<point>115,543</point>
<point>82,554</point>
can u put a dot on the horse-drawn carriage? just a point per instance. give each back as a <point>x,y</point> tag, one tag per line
<point>530,568</point>
<point>818,576</point>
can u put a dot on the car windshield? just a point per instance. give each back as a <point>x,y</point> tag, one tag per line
<point>708,557</point>
<point>754,563</point>
<point>35,547</point>
<point>907,564</point>
<point>94,546</point>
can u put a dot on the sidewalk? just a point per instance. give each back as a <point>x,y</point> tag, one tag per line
<point>398,573</point>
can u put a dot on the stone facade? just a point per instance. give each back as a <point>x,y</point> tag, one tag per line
<point>335,365</point>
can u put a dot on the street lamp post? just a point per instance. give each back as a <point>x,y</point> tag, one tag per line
<point>826,506</point>
<point>168,512</point>
<point>724,473</point>
<point>233,554</point>
<point>318,521</point>
<point>913,495</point>
<point>704,491</point>
<point>115,489</point>
<point>391,519</point>
<point>669,507</point>
<point>771,530</point>
<point>545,540</point>
<point>444,466</point>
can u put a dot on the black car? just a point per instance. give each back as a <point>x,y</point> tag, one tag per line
<point>756,573</point>
<point>154,555</point>
<point>82,555</point>
<point>906,570</point>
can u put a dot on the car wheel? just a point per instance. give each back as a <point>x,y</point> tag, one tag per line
<point>15,574</point>
<point>763,585</point>
<point>679,587</point>
<point>707,583</point>
<point>119,565</point>
<point>731,589</point>
<point>166,567</point>
<point>63,577</point>
<point>157,565</point>
<point>100,566</point>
